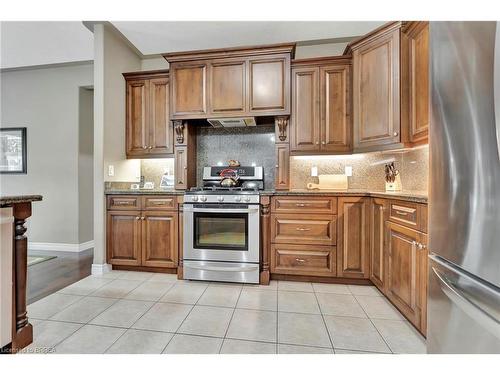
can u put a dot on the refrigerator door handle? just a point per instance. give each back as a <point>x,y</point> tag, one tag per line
<point>496,85</point>
<point>455,294</point>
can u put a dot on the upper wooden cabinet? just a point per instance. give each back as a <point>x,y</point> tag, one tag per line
<point>376,89</point>
<point>148,128</point>
<point>320,120</point>
<point>418,81</point>
<point>252,81</point>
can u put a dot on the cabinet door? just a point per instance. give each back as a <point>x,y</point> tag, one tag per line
<point>228,88</point>
<point>376,96</point>
<point>402,282</point>
<point>137,97</point>
<point>378,258</point>
<point>161,138</point>
<point>353,238</point>
<point>180,167</point>
<point>419,82</point>
<point>282,171</point>
<point>269,85</point>
<point>189,90</point>
<point>159,239</point>
<point>304,127</point>
<point>423,277</point>
<point>123,238</point>
<point>335,120</point>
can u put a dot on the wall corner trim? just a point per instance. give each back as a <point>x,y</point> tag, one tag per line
<point>56,246</point>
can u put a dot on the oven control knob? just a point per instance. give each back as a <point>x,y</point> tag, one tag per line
<point>203,198</point>
<point>220,198</point>
<point>237,199</point>
<point>247,199</point>
<point>194,198</point>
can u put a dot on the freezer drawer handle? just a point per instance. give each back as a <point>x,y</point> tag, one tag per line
<point>452,291</point>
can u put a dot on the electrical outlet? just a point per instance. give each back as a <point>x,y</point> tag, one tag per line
<point>314,171</point>
<point>111,170</point>
<point>348,171</point>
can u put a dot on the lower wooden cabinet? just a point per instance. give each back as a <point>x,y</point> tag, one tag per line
<point>308,230</point>
<point>405,277</point>
<point>144,236</point>
<point>303,260</point>
<point>378,258</point>
<point>124,238</point>
<point>159,239</point>
<point>353,237</point>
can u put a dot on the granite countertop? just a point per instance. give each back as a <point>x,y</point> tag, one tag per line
<point>10,200</point>
<point>145,191</point>
<point>406,195</point>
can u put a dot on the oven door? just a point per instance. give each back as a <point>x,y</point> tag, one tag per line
<point>221,232</point>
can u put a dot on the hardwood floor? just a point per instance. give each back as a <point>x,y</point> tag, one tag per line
<point>54,274</point>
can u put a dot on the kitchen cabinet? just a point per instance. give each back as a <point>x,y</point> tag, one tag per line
<point>353,237</point>
<point>378,256</point>
<point>124,238</point>
<point>143,236</point>
<point>189,90</point>
<point>184,155</point>
<point>282,175</point>
<point>376,89</point>
<point>308,230</point>
<point>406,277</point>
<point>149,132</point>
<point>320,120</point>
<point>159,237</point>
<point>180,168</point>
<point>417,33</point>
<point>248,81</point>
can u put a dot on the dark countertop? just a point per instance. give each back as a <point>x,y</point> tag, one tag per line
<point>6,201</point>
<point>405,195</point>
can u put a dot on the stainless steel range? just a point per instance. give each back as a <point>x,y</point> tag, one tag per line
<point>222,226</point>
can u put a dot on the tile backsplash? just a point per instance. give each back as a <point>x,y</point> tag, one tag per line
<point>250,145</point>
<point>153,169</point>
<point>367,169</point>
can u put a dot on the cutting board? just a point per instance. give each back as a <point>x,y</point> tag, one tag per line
<point>330,182</point>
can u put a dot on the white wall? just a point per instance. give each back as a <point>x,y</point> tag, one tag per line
<point>112,57</point>
<point>46,101</point>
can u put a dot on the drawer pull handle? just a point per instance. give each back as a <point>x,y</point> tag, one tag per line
<point>300,260</point>
<point>122,203</point>
<point>303,229</point>
<point>401,213</point>
<point>158,203</point>
<point>301,204</point>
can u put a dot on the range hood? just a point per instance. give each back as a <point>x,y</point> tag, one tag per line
<point>236,122</point>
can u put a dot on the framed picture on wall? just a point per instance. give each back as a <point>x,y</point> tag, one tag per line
<point>13,150</point>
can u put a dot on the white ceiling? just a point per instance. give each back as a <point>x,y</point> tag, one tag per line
<point>39,43</point>
<point>157,37</point>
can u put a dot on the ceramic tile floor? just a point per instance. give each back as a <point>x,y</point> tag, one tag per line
<point>139,312</point>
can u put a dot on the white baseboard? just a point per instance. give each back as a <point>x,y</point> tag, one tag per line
<point>57,246</point>
<point>99,269</point>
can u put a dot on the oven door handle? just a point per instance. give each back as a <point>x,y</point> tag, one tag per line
<point>222,210</point>
<point>246,268</point>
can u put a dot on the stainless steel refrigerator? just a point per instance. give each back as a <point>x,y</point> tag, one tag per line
<point>464,241</point>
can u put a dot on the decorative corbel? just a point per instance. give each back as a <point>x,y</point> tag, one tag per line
<point>179,131</point>
<point>281,123</point>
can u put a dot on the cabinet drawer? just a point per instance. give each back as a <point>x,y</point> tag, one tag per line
<point>411,215</point>
<point>124,202</point>
<point>303,260</point>
<point>317,205</point>
<point>310,229</point>
<point>159,203</point>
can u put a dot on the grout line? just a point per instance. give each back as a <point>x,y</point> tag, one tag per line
<point>383,338</point>
<point>230,320</point>
<point>324,323</point>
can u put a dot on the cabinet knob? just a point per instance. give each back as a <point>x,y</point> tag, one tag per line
<point>322,142</point>
<point>144,147</point>
<point>396,134</point>
<point>142,218</point>
<point>150,147</point>
<point>277,166</point>
<point>317,142</point>
<point>137,218</point>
